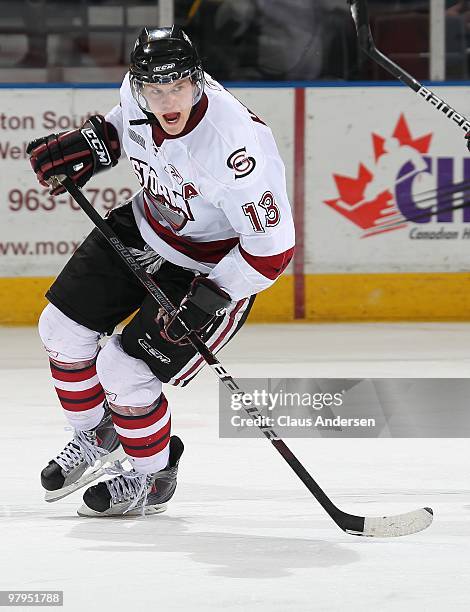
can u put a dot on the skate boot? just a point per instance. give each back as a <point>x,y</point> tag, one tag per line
<point>132,493</point>
<point>82,460</point>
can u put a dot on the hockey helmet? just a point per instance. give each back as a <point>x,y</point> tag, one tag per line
<point>164,55</point>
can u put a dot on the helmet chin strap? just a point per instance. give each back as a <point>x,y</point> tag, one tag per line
<point>150,119</point>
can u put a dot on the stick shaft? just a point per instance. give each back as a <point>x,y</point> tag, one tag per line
<point>360,14</point>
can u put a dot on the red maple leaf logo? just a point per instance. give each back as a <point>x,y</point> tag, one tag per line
<point>373,214</point>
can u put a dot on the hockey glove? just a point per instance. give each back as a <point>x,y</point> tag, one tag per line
<point>78,154</point>
<point>203,303</point>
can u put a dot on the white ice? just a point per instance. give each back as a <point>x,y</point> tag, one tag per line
<point>242,533</point>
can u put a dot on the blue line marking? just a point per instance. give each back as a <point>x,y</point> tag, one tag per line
<point>246,84</point>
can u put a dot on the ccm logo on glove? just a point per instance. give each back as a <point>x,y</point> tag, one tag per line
<point>97,145</point>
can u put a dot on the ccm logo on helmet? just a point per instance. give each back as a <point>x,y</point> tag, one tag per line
<point>163,67</point>
<point>97,145</point>
<point>240,163</point>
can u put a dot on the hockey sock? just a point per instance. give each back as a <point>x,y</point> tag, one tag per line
<point>145,438</point>
<point>80,392</point>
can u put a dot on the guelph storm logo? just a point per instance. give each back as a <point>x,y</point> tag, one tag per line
<point>241,163</point>
<point>172,205</point>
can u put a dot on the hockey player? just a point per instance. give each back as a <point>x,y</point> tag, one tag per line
<point>212,224</point>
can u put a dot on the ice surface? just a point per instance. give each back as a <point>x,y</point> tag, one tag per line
<point>242,533</point>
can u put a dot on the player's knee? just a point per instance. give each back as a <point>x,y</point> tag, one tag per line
<point>64,339</point>
<point>127,381</point>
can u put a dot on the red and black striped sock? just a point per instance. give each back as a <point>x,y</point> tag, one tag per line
<point>80,392</point>
<point>145,438</point>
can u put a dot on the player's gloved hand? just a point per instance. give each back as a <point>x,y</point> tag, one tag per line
<point>204,301</point>
<point>467,136</point>
<point>78,154</point>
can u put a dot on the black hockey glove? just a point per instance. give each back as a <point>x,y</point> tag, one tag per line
<point>467,136</point>
<point>199,307</point>
<point>78,154</point>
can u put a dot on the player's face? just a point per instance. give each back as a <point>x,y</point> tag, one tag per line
<point>171,103</point>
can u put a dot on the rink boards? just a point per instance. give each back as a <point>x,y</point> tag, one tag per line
<point>365,167</point>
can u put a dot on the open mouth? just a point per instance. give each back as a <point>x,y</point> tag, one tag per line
<point>171,118</point>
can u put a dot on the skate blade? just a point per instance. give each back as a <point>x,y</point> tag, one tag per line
<point>87,512</point>
<point>91,473</point>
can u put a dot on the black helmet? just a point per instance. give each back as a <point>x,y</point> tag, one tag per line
<point>164,55</point>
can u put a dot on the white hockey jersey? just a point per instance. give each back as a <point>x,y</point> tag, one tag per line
<point>214,197</point>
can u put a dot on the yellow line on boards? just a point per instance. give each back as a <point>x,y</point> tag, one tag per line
<point>329,297</point>
<point>388,297</point>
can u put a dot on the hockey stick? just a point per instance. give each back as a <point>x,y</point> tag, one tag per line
<point>386,526</point>
<point>360,14</point>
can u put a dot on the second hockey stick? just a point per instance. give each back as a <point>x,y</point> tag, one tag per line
<point>360,14</point>
<point>384,526</point>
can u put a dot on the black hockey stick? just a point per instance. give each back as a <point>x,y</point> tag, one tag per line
<point>386,526</point>
<point>360,14</point>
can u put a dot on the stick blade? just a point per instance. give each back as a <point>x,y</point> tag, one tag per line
<point>397,525</point>
<point>360,15</point>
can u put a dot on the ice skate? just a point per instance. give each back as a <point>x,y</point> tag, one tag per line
<point>132,493</point>
<point>82,460</point>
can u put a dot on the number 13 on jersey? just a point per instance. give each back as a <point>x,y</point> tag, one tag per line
<point>272,215</point>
